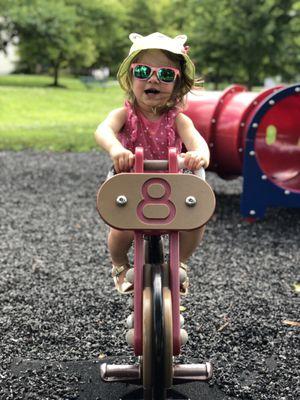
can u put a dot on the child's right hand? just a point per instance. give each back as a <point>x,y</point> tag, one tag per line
<point>122,158</point>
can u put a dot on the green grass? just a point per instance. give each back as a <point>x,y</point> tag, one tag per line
<point>35,115</point>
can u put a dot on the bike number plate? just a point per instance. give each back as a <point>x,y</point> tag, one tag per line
<point>155,201</point>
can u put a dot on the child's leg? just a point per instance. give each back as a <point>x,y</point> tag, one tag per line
<point>189,240</point>
<point>119,243</point>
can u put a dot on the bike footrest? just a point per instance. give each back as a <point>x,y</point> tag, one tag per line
<point>132,373</point>
<point>192,372</point>
<point>120,373</point>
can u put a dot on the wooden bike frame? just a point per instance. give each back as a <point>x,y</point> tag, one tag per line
<point>156,203</point>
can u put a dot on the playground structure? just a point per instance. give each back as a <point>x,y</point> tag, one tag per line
<point>254,134</point>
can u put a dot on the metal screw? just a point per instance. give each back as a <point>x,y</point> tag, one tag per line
<point>297,89</point>
<point>287,192</point>
<point>252,153</point>
<point>264,177</point>
<point>252,212</point>
<point>254,125</point>
<point>121,201</point>
<point>190,201</point>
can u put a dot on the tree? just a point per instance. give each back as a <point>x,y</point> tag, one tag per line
<point>238,40</point>
<point>141,17</point>
<point>49,35</point>
<point>103,21</point>
<point>231,40</point>
<point>203,23</point>
<point>290,50</point>
<point>210,41</point>
<point>256,37</point>
<point>7,31</point>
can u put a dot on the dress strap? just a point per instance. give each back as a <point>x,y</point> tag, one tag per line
<point>170,124</point>
<point>132,121</point>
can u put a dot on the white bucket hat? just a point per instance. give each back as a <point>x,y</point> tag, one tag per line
<point>159,41</point>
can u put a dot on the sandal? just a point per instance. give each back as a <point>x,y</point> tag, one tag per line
<point>184,280</point>
<point>119,276</point>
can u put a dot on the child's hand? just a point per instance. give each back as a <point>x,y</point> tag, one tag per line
<point>122,158</point>
<point>194,160</point>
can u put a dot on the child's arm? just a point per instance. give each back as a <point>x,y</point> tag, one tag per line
<point>106,136</point>
<point>197,154</point>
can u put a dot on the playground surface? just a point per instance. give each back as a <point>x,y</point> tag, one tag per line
<point>61,316</point>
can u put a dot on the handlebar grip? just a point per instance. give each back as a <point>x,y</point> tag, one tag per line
<point>156,165</point>
<point>200,173</point>
<point>161,165</point>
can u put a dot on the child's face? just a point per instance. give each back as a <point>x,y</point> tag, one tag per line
<point>152,92</point>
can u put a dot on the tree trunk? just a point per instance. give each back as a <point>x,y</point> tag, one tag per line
<point>56,71</point>
<point>217,79</point>
<point>251,79</point>
<point>216,82</point>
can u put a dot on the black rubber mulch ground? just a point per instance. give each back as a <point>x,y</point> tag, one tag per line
<point>57,299</point>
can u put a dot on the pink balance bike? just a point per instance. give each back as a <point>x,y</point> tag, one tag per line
<point>153,204</point>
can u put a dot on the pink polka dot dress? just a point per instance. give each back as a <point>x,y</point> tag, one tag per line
<point>154,136</point>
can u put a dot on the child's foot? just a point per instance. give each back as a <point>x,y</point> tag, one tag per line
<point>184,280</point>
<point>119,277</point>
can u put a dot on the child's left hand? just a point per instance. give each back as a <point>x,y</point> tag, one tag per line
<point>194,160</point>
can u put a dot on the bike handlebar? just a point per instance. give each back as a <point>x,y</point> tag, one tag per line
<point>160,165</point>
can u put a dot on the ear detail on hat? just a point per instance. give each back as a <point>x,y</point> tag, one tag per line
<point>181,39</point>
<point>134,37</point>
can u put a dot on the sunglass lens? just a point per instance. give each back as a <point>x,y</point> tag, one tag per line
<point>142,72</point>
<point>166,75</point>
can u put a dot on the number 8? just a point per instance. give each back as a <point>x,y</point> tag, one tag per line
<point>149,199</point>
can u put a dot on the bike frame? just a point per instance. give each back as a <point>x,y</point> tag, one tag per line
<point>139,260</point>
<point>151,202</point>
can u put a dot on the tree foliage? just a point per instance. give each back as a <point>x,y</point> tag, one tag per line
<point>103,22</point>
<point>7,30</point>
<point>231,40</point>
<point>257,36</point>
<point>49,35</point>
<point>238,40</point>
<point>289,57</point>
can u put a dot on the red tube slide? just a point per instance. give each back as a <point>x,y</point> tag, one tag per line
<point>224,119</point>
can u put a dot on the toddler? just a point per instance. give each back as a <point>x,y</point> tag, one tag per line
<point>156,75</point>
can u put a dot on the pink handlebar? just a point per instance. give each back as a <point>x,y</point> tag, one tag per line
<point>155,165</point>
<point>161,165</point>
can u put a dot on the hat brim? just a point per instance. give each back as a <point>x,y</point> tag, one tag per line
<point>124,68</point>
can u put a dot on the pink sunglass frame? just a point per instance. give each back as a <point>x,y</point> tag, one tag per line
<point>155,69</point>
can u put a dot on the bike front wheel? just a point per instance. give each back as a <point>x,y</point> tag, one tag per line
<point>157,362</point>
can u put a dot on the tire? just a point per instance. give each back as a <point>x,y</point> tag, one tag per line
<point>157,360</point>
<point>158,336</point>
